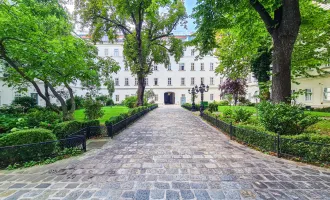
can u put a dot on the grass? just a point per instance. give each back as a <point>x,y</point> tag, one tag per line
<point>322,127</point>
<point>254,110</point>
<point>79,115</point>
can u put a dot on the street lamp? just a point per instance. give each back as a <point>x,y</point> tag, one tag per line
<point>201,89</point>
<point>193,92</point>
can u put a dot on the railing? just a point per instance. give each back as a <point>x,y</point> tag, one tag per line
<point>283,146</point>
<point>39,151</point>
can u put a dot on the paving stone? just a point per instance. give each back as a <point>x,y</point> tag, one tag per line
<point>162,185</point>
<point>187,194</point>
<point>216,194</point>
<point>17,185</point>
<point>202,195</point>
<point>157,194</point>
<point>172,195</point>
<point>16,195</point>
<point>73,195</point>
<point>142,194</point>
<point>194,185</point>
<point>43,185</point>
<point>128,194</point>
<point>180,185</point>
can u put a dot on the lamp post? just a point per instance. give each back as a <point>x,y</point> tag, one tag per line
<point>193,92</point>
<point>202,89</point>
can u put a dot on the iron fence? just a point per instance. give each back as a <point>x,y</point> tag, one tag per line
<point>39,151</point>
<point>283,146</point>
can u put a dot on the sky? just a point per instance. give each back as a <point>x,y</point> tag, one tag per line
<point>190,4</point>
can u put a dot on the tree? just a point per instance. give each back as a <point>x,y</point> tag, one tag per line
<point>253,20</point>
<point>150,95</point>
<point>110,86</point>
<point>146,25</point>
<point>260,66</point>
<point>36,44</point>
<point>236,88</point>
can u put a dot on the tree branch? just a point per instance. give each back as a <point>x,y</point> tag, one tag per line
<point>266,18</point>
<point>123,27</point>
<point>168,32</point>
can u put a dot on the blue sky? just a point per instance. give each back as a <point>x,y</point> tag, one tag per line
<point>190,4</point>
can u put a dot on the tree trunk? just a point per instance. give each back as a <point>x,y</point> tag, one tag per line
<point>73,103</point>
<point>140,91</point>
<point>64,107</point>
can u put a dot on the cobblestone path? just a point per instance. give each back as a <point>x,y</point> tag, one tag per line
<point>169,154</point>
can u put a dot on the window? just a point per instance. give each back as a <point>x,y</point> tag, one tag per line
<point>211,97</point>
<point>155,81</point>
<point>192,81</point>
<point>155,68</point>
<point>169,81</point>
<point>211,67</point>
<point>202,80</point>
<point>126,96</point>
<point>17,95</point>
<point>136,81</point>
<point>126,82</point>
<point>115,52</point>
<point>146,81</point>
<point>202,66</point>
<point>117,81</point>
<point>326,94</point>
<point>183,95</point>
<point>126,68</point>
<point>169,68</point>
<point>182,81</point>
<point>117,97</point>
<point>181,66</point>
<point>156,97</point>
<point>192,66</point>
<point>35,97</point>
<point>308,94</point>
<point>192,52</point>
<point>106,52</point>
<point>211,81</point>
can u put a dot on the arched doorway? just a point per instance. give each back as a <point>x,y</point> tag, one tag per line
<point>169,98</point>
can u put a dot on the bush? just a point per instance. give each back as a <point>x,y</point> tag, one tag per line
<point>79,102</point>
<point>284,119</point>
<point>95,127</point>
<point>130,101</point>
<point>7,122</point>
<point>102,98</point>
<point>109,102</point>
<point>26,153</point>
<point>213,107</point>
<point>227,113</point>
<point>93,109</point>
<point>242,115</point>
<point>12,110</point>
<point>64,129</point>
<point>26,102</point>
<point>223,103</point>
<point>45,118</point>
<point>327,109</point>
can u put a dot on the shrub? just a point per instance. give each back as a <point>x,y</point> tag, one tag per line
<point>12,110</point>
<point>130,101</point>
<point>284,119</point>
<point>64,129</point>
<point>95,127</point>
<point>242,115</point>
<point>78,100</point>
<point>213,107</point>
<point>102,98</point>
<point>227,113</point>
<point>326,109</point>
<point>26,153</point>
<point>26,102</point>
<point>45,118</point>
<point>109,102</point>
<point>223,103</point>
<point>7,122</point>
<point>93,109</point>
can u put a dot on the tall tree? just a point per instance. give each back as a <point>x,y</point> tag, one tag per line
<point>281,20</point>
<point>236,88</point>
<point>147,26</point>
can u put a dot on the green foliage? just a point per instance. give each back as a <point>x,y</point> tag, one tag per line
<point>242,115</point>
<point>16,155</point>
<point>95,130</point>
<point>130,101</point>
<point>227,113</point>
<point>93,109</point>
<point>102,99</point>
<point>7,122</point>
<point>64,129</point>
<point>326,109</point>
<point>188,106</point>
<point>284,119</point>
<point>109,102</point>
<point>44,118</point>
<point>79,101</point>
<point>223,103</point>
<point>26,102</point>
<point>213,107</point>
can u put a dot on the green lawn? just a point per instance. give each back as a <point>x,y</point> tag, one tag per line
<point>108,112</point>
<point>254,110</point>
<point>322,127</point>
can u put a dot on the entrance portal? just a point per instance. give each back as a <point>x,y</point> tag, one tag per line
<point>169,97</point>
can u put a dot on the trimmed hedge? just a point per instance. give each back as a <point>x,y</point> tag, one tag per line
<point>116,119</point>
<point>64,129</point>
<point>309,147</point>
<point>188,106</point>
<point>31,152</point>
<point>95,128</point>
